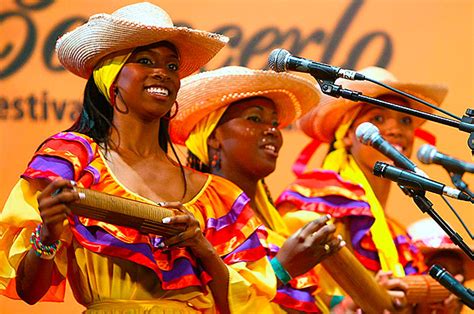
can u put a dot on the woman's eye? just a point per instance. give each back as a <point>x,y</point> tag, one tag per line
<point>173,67</point>
<point>254,118</point>
<point>378,119</point>
<point>146,61</point>
<point>407,120</point>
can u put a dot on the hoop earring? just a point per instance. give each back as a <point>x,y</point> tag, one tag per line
<point>114,94</point>
<point>216,161</point>
<point>175,112</point>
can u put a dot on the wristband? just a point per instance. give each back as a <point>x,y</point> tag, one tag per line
<point>280,271</point>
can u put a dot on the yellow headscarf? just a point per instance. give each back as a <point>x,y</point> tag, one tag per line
<point>340,161</point>
<point>197,144</point>
<point>106,72</point>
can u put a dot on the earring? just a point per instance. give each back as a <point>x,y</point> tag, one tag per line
<point>113,95</point>
<point>216,161</point>
<point>175,112</point>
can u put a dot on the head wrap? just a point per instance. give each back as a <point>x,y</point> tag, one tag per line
<point>106,72</point>
<point>340,161</point>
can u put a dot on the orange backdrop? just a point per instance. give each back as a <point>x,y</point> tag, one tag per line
<point>419,40</point>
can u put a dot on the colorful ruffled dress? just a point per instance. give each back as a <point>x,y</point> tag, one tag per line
<point>112,268</point>
<point>325,192</point>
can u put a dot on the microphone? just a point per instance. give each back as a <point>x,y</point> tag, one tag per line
<point>417,182</point>
<point>280,60</point>
<point>369,134</point>
<point>449,282</point>
<point>428,154</point>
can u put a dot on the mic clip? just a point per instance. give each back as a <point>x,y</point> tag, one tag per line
<point>330,88</point>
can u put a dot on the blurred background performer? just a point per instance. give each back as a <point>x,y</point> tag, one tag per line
<point>345,187</point>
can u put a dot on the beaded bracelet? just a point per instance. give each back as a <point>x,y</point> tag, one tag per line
<point>280,271</point>
<point>42,250</point>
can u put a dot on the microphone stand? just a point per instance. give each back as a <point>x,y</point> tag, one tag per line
<point>456,178</point>
<point>426,206</point>
<point>466,124</point>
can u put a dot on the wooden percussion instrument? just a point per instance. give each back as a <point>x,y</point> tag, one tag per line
<point>125,212</point>
<point>356,281</point>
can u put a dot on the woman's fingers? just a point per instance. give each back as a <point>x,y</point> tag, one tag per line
<point>64,197</point>
<point>56,186</point>
<point>190,235</point>
<point>323,235</point>
<point>182,239</point>
<point>314,226</point>
<point>335,244</point>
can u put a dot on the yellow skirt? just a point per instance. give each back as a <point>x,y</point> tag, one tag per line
<point>161,306</point>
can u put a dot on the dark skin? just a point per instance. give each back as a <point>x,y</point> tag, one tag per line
<point>146,90</point>
<point>247,140</point>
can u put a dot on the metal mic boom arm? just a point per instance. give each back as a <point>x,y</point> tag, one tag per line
<point>332,89</point>
<point>426,206</point>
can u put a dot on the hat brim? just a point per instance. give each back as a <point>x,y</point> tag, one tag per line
<point>206,92</point>
<point>323,122</point>
<point>429,251</point>
<point>80,50</point>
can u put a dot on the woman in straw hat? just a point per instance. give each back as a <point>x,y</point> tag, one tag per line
<point>346,187</point>
<point>133,60</point>
<point>229,120</point>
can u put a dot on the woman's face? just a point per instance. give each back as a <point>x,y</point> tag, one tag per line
<point>247,138</point>
<point>395,127</point>
<point>148,82</point>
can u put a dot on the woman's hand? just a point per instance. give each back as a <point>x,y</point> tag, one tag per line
<point>52,205</point>
<point>309,246</point>
<point>34,274</point>
<point>395,287</point>
<point>451,305</point>
<point>192,236</point>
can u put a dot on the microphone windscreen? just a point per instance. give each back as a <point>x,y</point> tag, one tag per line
<point>276,60</point>
<point>426,153</point>
<point>365,131</point>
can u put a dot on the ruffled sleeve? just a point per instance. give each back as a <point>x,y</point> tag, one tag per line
<point>231,227</point>
<point>325,192</point>
<point>19,218</point>
<point>59,156</point>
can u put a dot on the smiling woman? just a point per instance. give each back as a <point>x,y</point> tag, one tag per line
<point>133,60</point>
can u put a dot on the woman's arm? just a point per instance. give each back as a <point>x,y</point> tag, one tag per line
<point>35,271</point>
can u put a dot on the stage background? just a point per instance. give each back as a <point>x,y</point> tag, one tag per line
<point>419,40</point>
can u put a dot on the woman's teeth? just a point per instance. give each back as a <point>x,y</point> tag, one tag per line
<point>158,91</point>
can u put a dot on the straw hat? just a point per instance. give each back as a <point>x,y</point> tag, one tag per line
<point>205,92</point>
<point>133,26</point>
<point>322,122</point>
<point>428,236</point>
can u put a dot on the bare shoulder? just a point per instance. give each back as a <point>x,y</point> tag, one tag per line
<point>195,182</point>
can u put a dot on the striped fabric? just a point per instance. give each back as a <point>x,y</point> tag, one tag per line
<point>226,218</point>
<point>325,192</point>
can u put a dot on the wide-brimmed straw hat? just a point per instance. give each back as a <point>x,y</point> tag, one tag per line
<point>132,26</point>
<point>428,236</point>
<point>322,122</point>
<point>205,92</point>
